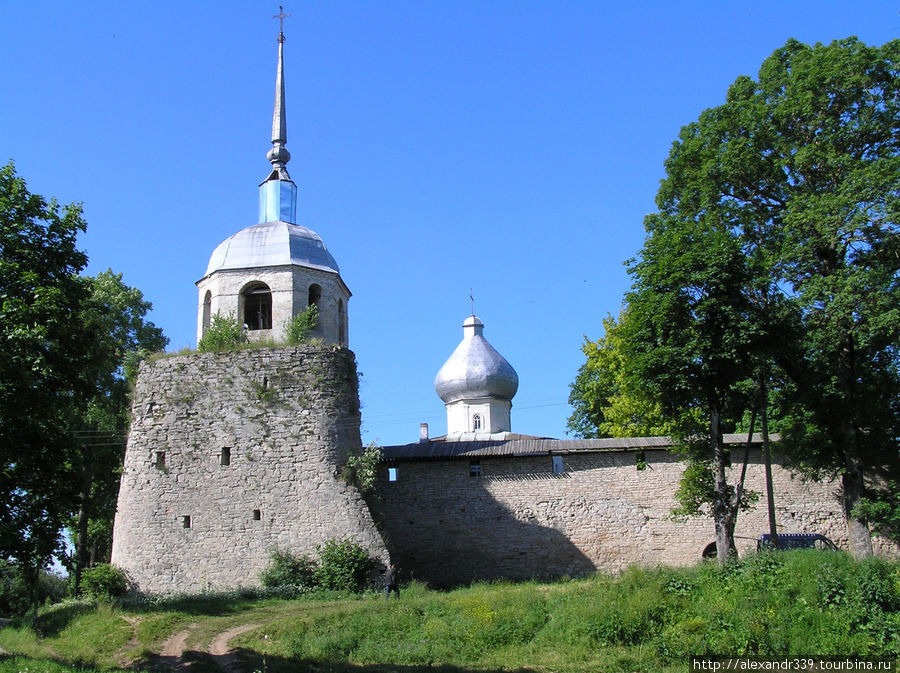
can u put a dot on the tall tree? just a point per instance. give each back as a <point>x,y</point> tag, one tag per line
<point>689,343</point>
<point>803,168</point>
<point>115,316</point>
<point>43,350</point>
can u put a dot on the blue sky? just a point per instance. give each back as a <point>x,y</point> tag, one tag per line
<point>512,147</point>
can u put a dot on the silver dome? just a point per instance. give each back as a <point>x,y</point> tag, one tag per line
<point>272,244</point>
<point>475,369</point>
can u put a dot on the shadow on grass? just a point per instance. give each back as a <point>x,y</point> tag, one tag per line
<point>55,619</point>
<point>241,660</point>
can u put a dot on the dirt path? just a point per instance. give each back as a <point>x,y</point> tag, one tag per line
<point>171,654</point>
<point>218,648</point>
<point>174,646</point>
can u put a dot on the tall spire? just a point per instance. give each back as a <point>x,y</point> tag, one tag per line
<point>278,193</point>
<point>279,155</point>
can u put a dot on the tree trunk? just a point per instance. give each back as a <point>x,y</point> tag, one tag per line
<point>767,458</point>
<point>81,537</point>
<point>852,480</point>
<point>860,537</point>
<point>723,515</point>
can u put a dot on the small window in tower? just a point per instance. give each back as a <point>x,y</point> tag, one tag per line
<point>159,460</point>
<point>392,474</point>
<point>476,422</point>
<point>257,302</point>
<point>207,309</point>
<point>186,521</point>
<point>225,456</point>
<point>474,468</point>
<point>342,323</point>
<point>315,294</point>
<point>257,515</point>
<point>558,467</point>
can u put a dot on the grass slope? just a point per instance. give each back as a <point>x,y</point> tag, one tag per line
<point>795,603</point>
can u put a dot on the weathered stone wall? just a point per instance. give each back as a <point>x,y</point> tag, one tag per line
<point>519,520</point>
<point>287,417</point>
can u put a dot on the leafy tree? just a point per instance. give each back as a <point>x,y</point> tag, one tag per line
<point>690,342</point>
<point>115,316</point>
<point>804,164</point>
<point>44,350</point>
<point>604,403</point>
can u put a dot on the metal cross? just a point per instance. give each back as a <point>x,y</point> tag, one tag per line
<point>473,301</point>
<point>281,16</point>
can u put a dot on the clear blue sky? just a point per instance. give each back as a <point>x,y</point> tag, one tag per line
<point>508,146</point>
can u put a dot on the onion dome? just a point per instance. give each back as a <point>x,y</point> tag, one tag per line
<point>475,369</point>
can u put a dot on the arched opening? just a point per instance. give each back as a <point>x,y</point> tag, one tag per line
<point>207,312</point>
<point>476,422</point>
<point>342,323</point>
<point>315,294</point>
<point>257,306</point>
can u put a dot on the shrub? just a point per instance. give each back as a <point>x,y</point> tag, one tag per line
<point>297,331</point>
<point>223,333</point>
<point>288,570</point>
<point>361,467</point>
<point>344,565</point>
<point>104,582</point>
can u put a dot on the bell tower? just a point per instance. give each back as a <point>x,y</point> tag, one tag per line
<point>267,273</point>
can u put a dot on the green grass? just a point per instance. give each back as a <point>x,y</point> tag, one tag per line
<point>794,603</point>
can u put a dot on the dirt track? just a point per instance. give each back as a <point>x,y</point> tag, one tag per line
<point>171,655</point>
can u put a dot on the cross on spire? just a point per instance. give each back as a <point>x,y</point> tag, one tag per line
<point>281,16</point>
<point>473,301</point>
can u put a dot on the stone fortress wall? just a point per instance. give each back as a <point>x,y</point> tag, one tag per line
<point>519,520</point>
<point>233,454</point>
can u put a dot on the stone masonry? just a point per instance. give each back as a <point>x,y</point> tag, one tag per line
<point>232,455</point>
<point>519,520</point>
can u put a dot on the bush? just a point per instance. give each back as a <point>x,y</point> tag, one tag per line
<point>344,565</point>
<point>223,333</point>
<point>104,582</point>
<point>297,331</point>
<point>288,570</point>
<point>362,468</point>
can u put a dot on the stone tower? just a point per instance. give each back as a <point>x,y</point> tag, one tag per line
<point>232,455</point>
<point>477,385</point>
<point>267,273</point>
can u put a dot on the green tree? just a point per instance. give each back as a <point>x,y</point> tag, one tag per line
<point>44,350</point>
<point>804,165</point>
<point>604,403</point>
<point>689,344</point>
<point>115,316</point>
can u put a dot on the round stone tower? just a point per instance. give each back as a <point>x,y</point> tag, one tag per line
<point>477,385</point>
<point>267,273</point>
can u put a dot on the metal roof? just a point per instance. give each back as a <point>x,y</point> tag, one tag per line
<point>272,244</point>
<point>475,369</point>
<point>523,445</point>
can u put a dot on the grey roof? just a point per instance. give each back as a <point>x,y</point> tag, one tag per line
<point>475,369</point>
<point>524,445</point>
<point>272,244</point>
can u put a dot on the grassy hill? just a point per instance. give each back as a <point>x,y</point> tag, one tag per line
<point>799,603</point>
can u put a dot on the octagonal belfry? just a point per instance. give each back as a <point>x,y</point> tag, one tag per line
<point>267,273</point>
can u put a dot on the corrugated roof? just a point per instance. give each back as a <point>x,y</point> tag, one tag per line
<point>523,445</point>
